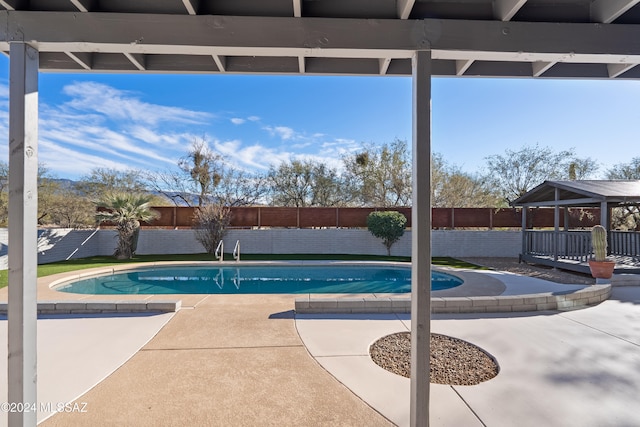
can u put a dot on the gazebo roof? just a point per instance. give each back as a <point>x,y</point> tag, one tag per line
<point>581,193</point>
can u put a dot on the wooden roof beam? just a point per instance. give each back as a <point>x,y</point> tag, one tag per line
<point>221,62</point>
<point>297,8</point>
<point>607,11</point>
<point>404,8</point>
<point>85,60</point>
<point>463,65</point>
<point>320,37</point>
<point>83,5</point>
<point>137,60</point>
<point>191,6</point>
<point>504,10</point>
<point>617,69</point>
<point>540,67</point>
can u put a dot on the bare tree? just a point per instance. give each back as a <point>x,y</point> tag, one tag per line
<point>305,183</point>
<point>380,175</point>
<point>171,184</point>
<point>210,224</point>
<point>101,181</point>
<point>626,217</point>
<point>240,188</point>
<point>234,187</point>
<point>71,210</point>
<point>630,170</point>
<point>516,172</point>
<point>203,166</point>
<point>453,188</point>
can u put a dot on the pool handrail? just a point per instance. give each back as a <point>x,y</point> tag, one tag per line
<point>219,253</point>
<point>236,251</point>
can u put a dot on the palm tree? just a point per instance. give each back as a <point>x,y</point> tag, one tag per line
<point>125,211</point>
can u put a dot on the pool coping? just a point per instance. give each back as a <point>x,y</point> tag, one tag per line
<point>564,300</point>
<point>102,307</point>
<point>489,300</point>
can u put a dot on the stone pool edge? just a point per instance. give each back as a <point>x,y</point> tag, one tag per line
<point>380,303</point>
<point>564,300</point>
<point>102,307</point>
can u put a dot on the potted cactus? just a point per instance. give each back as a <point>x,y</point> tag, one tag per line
<point>600,267</point>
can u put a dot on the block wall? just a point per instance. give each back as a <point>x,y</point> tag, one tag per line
<point>61,244</point>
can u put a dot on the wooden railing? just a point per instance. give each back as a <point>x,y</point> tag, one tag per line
<point>569,245</point>
<point>625,243</point>
<point>576,245</point>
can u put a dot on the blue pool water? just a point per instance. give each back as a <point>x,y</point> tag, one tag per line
<point>256,280</point>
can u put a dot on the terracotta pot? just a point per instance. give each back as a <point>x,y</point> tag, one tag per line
<point>602,269</point>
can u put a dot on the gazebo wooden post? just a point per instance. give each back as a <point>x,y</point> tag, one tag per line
<point>524,232</point>
<point>556,228</point>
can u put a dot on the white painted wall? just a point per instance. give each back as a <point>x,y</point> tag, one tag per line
<point>61,244</point>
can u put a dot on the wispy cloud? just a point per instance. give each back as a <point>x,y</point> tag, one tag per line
<point>97,125</point>
<point>254,156</point>
<point>124,105</point>
<point>284,132</point>
<point>101,126</point>
<point>240,120</point>
<point>68,162</point>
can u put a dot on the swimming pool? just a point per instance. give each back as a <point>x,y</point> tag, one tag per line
<point>274,279</point>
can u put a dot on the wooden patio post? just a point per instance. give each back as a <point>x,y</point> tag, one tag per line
<point>421,241</point>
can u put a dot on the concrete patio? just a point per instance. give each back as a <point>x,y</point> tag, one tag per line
<point>575,368</point>
<point>248,360</point>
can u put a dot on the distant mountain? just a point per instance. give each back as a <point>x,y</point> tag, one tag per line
<point>64,183</point>
<point>173,196</point>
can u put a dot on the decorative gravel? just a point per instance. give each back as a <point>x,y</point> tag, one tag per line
<point>532,270</point>
<point>453,361</point>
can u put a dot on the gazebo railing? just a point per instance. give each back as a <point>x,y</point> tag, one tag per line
<point>569,245</point>
<point>625,243</point>
<point>576,245</point>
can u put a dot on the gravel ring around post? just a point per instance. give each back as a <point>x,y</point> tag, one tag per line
<point>453,361</point>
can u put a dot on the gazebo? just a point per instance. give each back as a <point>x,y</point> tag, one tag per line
<point>571,249</point>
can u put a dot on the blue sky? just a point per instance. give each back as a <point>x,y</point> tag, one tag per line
<point>148,121</point>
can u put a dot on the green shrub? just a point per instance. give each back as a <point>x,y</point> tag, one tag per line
<point>388,226</point>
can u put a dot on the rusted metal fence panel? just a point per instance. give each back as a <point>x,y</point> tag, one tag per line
<point>245,217</point>
<point>318,217</point>
<point>471,217</point>
<point>310,217</point>
<point>353,217</point>
<point>167,217</point>
<point>279,217</point>
<point>441,218</point>
<point>506,218</point>
<point>184,216</point>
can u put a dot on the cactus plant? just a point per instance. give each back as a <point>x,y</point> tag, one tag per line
<point>599,242</point>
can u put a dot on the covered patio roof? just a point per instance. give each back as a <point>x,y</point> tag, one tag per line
<point>503,38</point>
<point>582,193</point>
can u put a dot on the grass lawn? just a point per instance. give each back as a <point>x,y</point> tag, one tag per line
<point>106,261</point>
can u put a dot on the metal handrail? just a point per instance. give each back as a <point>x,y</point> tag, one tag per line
<point>236,251</point>
<point>219,253</point>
